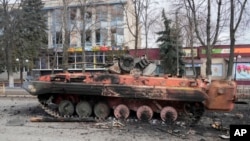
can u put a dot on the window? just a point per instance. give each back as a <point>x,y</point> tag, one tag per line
<point>87,36</point>
<point>73,38</point>
<point>189,71</point>
<point>104,36</point>
<point>99,57</point>
<point>98,36</point>
<point>116,13</point>
<point>73,14</point>
<point>89,59</point>
<point>117,36</point>
<point>217,69</point>
<point>101,13</point>
<point>88,15</point>
<point>58,37</point>
<point>57,22</point>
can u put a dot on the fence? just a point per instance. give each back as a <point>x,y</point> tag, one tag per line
<point>243,91</point>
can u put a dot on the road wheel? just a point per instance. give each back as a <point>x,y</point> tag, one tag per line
<point>66,108</point>
<point>101,110</point>
<point>121,111</point>
<point>144,113</point>
<point>83,109</point>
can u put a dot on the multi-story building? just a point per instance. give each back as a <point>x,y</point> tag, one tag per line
<point>106,28</point>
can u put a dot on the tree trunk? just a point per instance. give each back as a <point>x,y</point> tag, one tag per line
<point>192,47</point>
<point>66,37</point>
<point>233,29</point>
<point>208,47</point>
<point>146,26</point>
<point>136,29</point>
<point>83,12</point>
<point>9,66</point>
<point>21,71</point>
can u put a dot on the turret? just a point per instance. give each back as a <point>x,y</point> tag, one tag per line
<point>128,64</point>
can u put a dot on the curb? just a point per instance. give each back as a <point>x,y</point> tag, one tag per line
<point>18,96</point>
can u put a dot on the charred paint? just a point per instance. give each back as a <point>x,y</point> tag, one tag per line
<point>222,95</point>
<point>114,79</point>
<point>129,87</point>
<point>159,93</point>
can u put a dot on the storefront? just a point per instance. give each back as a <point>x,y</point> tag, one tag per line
<point>241,71</point>
<point>220,59</point>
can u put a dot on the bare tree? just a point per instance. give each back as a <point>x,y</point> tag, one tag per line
<point>211,39</point>
<point>8,26</point>
<point>148,19</point>
<point>190,34</point>
<point>235,20</point>
<point>66,34</point>
<point>85,5</point>
<point>134,13</point>
<point>83,13</point>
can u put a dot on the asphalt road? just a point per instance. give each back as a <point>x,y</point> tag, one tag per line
<point>17,107</point>
<point>15,125</point>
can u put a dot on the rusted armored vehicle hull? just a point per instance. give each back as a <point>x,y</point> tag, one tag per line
<point>101,95</point>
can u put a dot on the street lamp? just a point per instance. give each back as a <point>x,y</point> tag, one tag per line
<point>27,61</point>
<point>236,61</point>
<point>17,59</point>
<point>22,68</point>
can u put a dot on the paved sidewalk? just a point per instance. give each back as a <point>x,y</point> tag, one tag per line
<point>15,92</point>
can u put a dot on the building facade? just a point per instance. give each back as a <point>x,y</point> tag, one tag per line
<point>107,28</point>
<point>220,58</point>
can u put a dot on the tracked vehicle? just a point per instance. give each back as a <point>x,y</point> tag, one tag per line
<point>129,86</point>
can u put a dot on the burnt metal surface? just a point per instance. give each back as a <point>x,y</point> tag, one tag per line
<point>126,91</point>
<point>129,89</point>
<point>219,95</point>
<point>129,86</point>
<point>114,79</point>
<point>151,92</point>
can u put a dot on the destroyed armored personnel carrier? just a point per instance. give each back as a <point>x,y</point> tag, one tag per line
<point>130,86</point>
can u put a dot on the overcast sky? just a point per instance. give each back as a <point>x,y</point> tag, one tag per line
<point>242,36</point>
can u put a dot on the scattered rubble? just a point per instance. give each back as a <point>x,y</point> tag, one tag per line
<point>224,136</point>
<point>239,115</point>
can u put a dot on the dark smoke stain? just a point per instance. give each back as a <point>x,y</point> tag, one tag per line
<point>113,78</point>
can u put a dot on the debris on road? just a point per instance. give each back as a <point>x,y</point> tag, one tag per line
<point>109,125</point>
<point>224,136</point>
<point>239,115</point>
<point>218,125</point>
